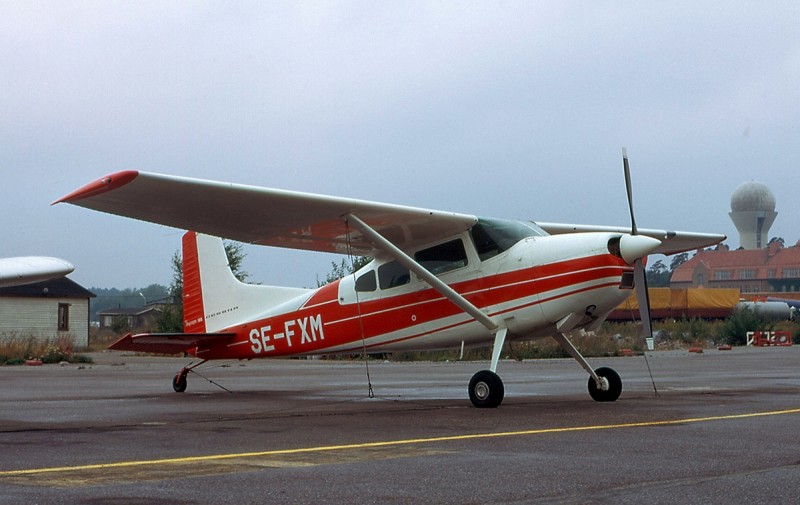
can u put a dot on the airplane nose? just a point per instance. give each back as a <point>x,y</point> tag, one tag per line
<point>634,247</point>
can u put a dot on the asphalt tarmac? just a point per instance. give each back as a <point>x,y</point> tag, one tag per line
<point>724,428</point>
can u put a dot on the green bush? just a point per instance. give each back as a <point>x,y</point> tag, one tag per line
<point>734,329</point>
<point>690,330</point>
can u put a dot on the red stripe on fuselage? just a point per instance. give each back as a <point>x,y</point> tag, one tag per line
<point>360,346</point>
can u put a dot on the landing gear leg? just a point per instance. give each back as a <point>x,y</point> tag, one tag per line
<point>605,384</point>
<point>179,381</point>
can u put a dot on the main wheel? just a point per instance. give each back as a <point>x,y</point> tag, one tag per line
<point>486,389</point>
<point>614,385</point>
<point>179,382</point>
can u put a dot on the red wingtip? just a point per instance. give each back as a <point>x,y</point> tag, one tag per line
<point>107,183</point>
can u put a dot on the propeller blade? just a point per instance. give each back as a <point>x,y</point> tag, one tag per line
<point>634,230</point>
<point>639,249</point>
<point>642,296</point>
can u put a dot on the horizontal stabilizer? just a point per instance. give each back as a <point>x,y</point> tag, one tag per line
<point>168,343</point>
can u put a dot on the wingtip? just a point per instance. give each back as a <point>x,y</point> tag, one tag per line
<point>99,186</point>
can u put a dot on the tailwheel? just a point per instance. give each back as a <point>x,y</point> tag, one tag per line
<point>611,388</point>
<point>179,381</point>
<point>486,389</point>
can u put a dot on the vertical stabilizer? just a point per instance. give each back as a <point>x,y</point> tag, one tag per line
<point>213,298</point>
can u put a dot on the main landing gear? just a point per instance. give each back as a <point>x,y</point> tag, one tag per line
<point>179,381</point>
<point>604,383</point>
<point>486,389</point>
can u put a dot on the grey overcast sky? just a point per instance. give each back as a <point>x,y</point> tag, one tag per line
<point>505,109</point>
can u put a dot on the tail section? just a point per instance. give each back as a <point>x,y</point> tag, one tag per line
<point>213,298</point>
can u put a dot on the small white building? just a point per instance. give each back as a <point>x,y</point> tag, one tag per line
<point>46,310</point>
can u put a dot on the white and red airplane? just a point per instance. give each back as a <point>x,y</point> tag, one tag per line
<point>21,270</point>
<point>437,280</point>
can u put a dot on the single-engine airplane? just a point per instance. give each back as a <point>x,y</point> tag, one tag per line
<point>21,270</point>
<point>437,280</point>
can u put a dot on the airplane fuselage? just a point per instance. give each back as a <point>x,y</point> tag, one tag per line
<point>530,287</point>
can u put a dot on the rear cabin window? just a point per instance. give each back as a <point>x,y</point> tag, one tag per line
<point>443,257</point>
<point>392,275</point>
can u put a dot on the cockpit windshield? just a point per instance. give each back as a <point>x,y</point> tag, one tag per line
<point>493,236</point>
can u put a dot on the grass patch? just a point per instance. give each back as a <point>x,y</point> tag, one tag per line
<point>15,349</point>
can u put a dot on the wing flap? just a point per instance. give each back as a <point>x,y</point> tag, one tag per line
<point>168,343</point>
<point>262,216</point>
<point>672,242</point>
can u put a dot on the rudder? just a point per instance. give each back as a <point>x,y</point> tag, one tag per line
<point>193,312</point>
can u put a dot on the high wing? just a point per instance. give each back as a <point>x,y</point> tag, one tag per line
<point>299,220</point>
<point>672,242</point>
<point>29,269</point>
<point>263,216</point>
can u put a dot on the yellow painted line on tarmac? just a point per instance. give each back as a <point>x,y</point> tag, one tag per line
<point>388,443</point>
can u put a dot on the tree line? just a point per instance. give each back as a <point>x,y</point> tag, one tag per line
<point>658,275</point>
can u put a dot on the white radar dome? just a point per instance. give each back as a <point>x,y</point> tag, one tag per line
<point>752,196</point>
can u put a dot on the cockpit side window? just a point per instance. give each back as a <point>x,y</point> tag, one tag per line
<point>443,257</point>
<point>493,236</point>
<point>393,274</point>
<point>484,244</point>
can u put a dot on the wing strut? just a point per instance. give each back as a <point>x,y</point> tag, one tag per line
<point>408,262</point>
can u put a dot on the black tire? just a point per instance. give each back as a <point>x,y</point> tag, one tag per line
<point>179,383</point>
<point>486,390</point>
<point>614,386</point>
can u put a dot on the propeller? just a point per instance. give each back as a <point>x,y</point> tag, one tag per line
<point>636,252</point>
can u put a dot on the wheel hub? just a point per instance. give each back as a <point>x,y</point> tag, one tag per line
<point>481,390</point>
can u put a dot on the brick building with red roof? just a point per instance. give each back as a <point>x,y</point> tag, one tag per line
<point>769,271</point>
